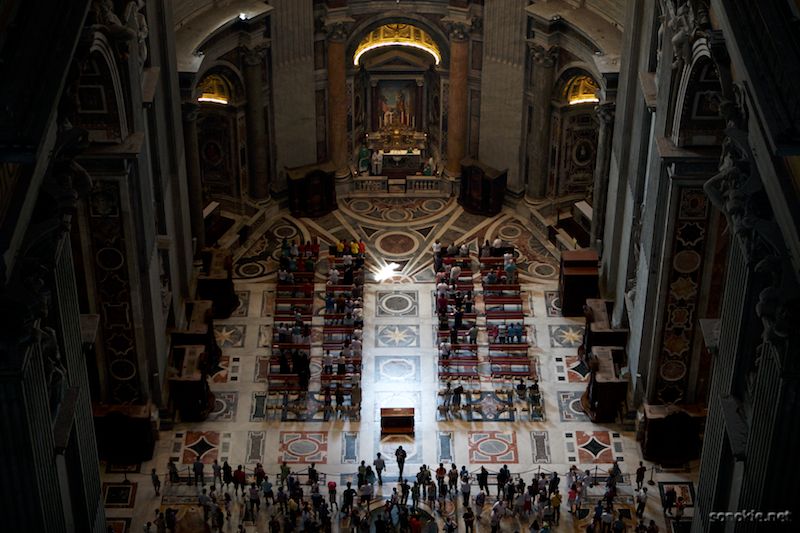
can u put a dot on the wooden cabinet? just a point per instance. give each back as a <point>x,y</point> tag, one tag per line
<point>482,188</point>
<point>579,280</point>
<point>312,190</point>
<point>606,391</point>
<point>397,420</point>
<point>215,282</point>
<point>672,433</point>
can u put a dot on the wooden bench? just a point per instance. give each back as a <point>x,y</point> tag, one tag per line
<point>502,315</point>
<point>467,375</point>
<point>509,360</point>
<point>509,347</point>
<point>290,345</point>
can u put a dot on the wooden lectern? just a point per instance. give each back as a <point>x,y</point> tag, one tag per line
<point>579,279</point>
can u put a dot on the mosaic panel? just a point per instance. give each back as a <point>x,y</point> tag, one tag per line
<point>494,447</point>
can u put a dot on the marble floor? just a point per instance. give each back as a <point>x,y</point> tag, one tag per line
<point>399,370</point>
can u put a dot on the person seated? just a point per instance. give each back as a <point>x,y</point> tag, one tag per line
<point>497,245</point>
<point>486,249</point>
<point>452,250</point>
<point>490,278</point>
<point>283,276</point>
<point>464,250</point>
<point>339,248</point>
<point>294,249</point>
<point>347,260</point>
<point>333,276</point>
<point>354,248</point>
<point>362,248</point>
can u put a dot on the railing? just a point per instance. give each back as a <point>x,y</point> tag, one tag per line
<point>370,184</point>
<point>423,185</point>
<point>415,186</point>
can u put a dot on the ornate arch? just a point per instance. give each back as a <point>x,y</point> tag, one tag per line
<point>364,27</point>
<point>227,70</point>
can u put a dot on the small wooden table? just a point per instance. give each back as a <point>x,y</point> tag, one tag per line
<point>397,420</point>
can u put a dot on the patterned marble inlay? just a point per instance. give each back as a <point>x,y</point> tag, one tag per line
<point>225,404</point>
<point>446,446</point>
<point>396,336</point>
<point>244,304</point>
<point>552,302</point>
<point>119,495</point>
<point>397,369</point>
<point>230,335</point>
<point>492,447</point>
<point>303,447</point>
<point>197,444</point>
<point>566,336</point>
<point>255,446</point>
<point>593,447</point>
<point>349,447</point>
<point>540,446</point>
<point>397,303</point>
<point>569,406</point>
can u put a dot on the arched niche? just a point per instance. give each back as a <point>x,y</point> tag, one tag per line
<point>101,107</point>
<point>221,131</point>
<point>696,118</point>
<point>573,133</point>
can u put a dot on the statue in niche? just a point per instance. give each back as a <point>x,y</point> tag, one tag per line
<point>681,26</point>
<point>134,18</point>
<point>108,21</point>
<point>54,371</point>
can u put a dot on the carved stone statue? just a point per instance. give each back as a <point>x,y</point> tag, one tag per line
<point>135,19</point>
<point>55,373</point>
<point>107,20</point>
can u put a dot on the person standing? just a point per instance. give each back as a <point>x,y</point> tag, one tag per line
<point>469,519</point>
<point>669,499</point>
<point>641,501</point>
<point>156,482</point>
<point>216,474</point>
<point>379,465</point>
<point>483,479</point>
<point>555,503</point>
<point>465,491</point>
<point>400,454</point>
<point>197,468</point>
<point>640,472</point>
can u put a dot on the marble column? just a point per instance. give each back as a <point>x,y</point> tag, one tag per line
<point>419,106</point>
<point>337,102</point>
<point>195,183</point>
<point>605,118</point>
<point>457,103</point>
<point>258,171</point>
<point>544,62</point>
